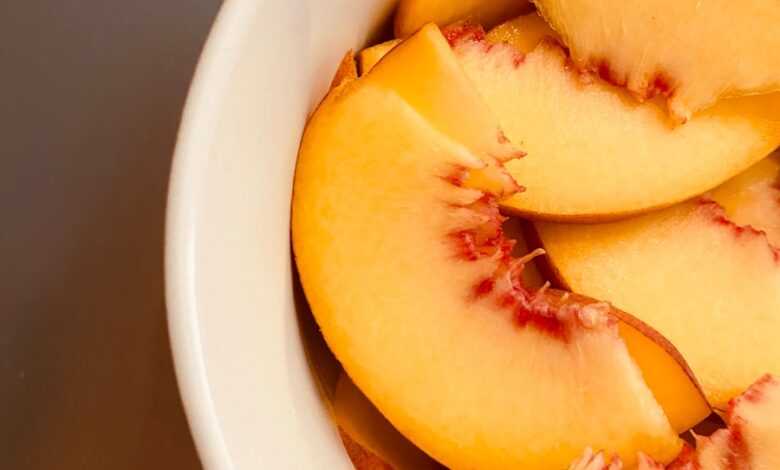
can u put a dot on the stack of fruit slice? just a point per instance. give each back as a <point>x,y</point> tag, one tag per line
<point>699,272</point>
<point>405,179</point>
<point>690,51</point>
<point>414,14</point>
<point>748,442</point>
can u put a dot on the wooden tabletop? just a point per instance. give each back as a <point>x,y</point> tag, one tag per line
<point>89,106</point>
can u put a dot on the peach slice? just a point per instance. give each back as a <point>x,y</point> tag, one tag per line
<point>370,441</point>
<point>594,154</point>
<point>397,235</point>
<point>578,168</point>
<point>369,56</point>
<point>346,72</point>
<point>753,197</point>
<point>691,51</point>
<point>685,266</point>
<point>666,372</point>
<point>413,14</point>
<point>524,33</point>
<point>664,369</point>
<point>749,441</point>
<point>754,425</point>
<point>378,442</point>
<point>438,104</point>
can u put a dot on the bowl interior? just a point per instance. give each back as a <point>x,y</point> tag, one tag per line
<point>248,391</point>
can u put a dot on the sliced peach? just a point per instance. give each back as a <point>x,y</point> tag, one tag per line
<point>438,104</point>
<point>686,270</point>
<point>750,440</point>
<point>753,197</point>
<point>691,51</point>
<point>664,369</point>
<point>369,56</point>
<point>584,162</point>
<point>594,154</point>
<point>754,424</point>
<point>365,426</point>
<point>370,441</point>
<point>666,373</point>
<point>413,14</point>
<point>404,263</point>
<point>346,72</point>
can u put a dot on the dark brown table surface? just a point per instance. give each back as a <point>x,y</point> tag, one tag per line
<point>90,97</point>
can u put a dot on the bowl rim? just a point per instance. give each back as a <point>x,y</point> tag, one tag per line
<point>215,428</point>
<point>196,131</point>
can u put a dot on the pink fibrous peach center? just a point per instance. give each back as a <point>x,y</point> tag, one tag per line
<point>717,214</point>
<point>553,316</point>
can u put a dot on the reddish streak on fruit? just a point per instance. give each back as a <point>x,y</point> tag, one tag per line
<point>486,239</point>
<point>489,240</point>
<point>455,179</point>
<point>686,460</point>
<point>484,288</point>
<point>456,176</point>
<point>466,245</point>
<point>660,85</point>
<point>503,140</point>
<point>602,68</point>
<point>550,314</point>
<point>515,156</point>
<point>463,31</point>
<point>507,301</point>
<point>604,71</point>
<point>543,322</point>
<point>718,215</point>
<point>739,453</point>
<point>755,393</point>
<point>467,33</point>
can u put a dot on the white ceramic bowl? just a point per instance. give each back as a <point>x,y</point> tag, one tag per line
<point>247,389</point>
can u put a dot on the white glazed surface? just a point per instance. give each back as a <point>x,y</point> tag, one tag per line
<point>249,395</point>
